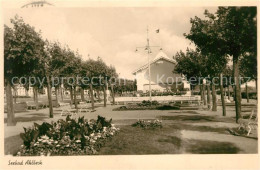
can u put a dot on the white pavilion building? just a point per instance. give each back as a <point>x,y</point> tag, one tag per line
<point>162,76</point>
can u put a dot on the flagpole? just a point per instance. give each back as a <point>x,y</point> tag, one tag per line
<point>148,48</point>
<point>148,51</point>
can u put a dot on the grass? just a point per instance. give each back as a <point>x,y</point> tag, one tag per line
<point>167,140</point>
<point>12,144</point>
<point>210,147</point>
<point>196,118</point>
<point>32,117</point>
<point>138,141</point>
<point>182,126</point>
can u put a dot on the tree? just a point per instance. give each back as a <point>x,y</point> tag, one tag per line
<point>227,73</point>
<point>57,65</point>
<point>23,47</point>
<point>112,75</point>
<point>122,85</point>
<point>89,72</point>
<point>101,71</point>
<point>248,68</point>
<point>215,68</point>
<point>193,65</point>
<point>231,31</point>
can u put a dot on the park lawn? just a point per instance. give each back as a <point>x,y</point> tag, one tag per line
<point>12,144</point>
<point>137,141</point>
<point>165,140</point>
<point>130,140</point>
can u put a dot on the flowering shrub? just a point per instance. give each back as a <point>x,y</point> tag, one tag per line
<point>67,137</point>
<point>148,103</point>
<point>148,124</point>
<point>140,106</point>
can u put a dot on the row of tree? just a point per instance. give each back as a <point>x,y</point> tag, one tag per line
<point>26,54</point>
<point>228,33</point>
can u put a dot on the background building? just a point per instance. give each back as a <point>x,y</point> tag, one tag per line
<point>162,76</point>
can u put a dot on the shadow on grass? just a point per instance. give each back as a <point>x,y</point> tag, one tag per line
<point>221,130</point>
<point>12,144</point>
<point>190,112</point>
<point>210,147</point>
<point>189,118</point>
<point>35,117</point>
<point>168,107</point>
<point>43,114</point>
<point>198,118</point>
<point>176,141</point>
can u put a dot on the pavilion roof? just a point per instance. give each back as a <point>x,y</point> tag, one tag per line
<point>159,56</point>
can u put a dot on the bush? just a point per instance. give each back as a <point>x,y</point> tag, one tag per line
<point>148,103</point>
<point>251,95</point>
<point>168,107</point>
<point>148,124</point>
<point>66,137</point>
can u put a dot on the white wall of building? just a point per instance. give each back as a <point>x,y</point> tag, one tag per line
<point>162,76</point>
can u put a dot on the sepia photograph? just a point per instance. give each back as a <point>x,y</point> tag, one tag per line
<point>97,80</point>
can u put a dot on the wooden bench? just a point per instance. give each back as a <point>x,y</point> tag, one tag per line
<point>248,124</point>
<point>69,111</point>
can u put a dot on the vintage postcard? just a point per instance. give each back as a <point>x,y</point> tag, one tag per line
<point>129,84</point>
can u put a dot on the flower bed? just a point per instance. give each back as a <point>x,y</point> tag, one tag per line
<point>67,137</point>
<point>148,103</point>
<point>147,107</point>
<point>148,124</point>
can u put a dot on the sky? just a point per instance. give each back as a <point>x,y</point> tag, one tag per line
<point>113,33</point>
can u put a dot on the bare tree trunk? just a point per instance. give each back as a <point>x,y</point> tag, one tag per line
<point>82,94</point>
<point>98,95</point>
<point>36,98</point>
<point>105,96</point>
<point>203,93</point>
<point>49,97</point>
<point>56,95</point>
<point>15,94</point>
<point>208,95</point>
<point>222,97</point>
<point>234,94</point>
<point>247,96</point>
<point>61,93</point>
<point>112,93</point>
<point>71,96</point>
<point>91,96</point>
<point>228,93</point>
<point>26,92</point>
<point>10,105</point>
<point>214,98</point>
<point>34,94</point>
<point>75,98</point>
<point>237,87</point>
